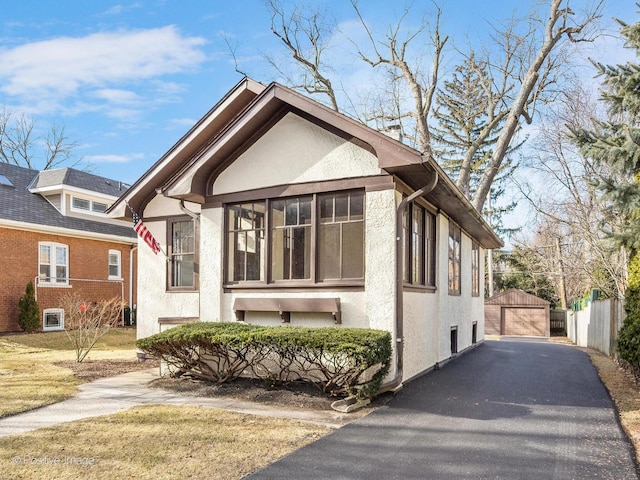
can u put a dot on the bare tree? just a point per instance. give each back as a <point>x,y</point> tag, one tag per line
<point>570,208</point>
<point>529,65</point>
<point>561,26</point>
<point>22,145</point>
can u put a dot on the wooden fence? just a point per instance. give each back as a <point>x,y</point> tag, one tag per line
<point>597,325</point>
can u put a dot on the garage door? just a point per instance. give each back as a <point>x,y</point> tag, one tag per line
<point>524,321</point>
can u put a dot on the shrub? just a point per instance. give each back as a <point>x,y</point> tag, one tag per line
<point>29,315</point>
<point>628,346</point>
<point>340,361</point>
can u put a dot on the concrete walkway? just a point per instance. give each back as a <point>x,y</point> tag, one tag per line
<point>115,394</point>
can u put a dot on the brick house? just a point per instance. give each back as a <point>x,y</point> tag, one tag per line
<point>56,234</point>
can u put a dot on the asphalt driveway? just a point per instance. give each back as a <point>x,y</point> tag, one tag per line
<point>510,410</point>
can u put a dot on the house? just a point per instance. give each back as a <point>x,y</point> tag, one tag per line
<point>276,210</point>
<point>55,233</point>
<point>516,312</point>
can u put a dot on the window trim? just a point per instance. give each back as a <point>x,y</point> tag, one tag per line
<point>52,254</point>
<point>196,276</point>
<point>118,253</point>
<point>59,311</point>
<point>267,275</point>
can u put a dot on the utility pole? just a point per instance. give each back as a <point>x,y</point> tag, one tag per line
<point>562,285</point>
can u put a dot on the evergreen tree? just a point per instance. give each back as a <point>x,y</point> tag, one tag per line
<point>29,316</point>
<point>467,129</point>
<point>615,144</point>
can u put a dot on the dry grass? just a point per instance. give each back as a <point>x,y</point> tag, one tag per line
<point>155,442</point>
<point>30,377</point>
<point>625,392</point>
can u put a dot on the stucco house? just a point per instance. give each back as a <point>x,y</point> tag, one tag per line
<point>55,233</point>
<point>274,209</point>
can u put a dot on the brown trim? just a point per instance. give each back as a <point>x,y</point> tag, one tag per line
<point>177,320</point>
<point>284,306</point>
<point>370,184</point>
<point>294,284</point>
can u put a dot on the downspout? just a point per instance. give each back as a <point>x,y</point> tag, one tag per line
<point>131,251</point>
<point>396,381</point>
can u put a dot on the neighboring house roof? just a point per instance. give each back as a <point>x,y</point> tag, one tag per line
<point>76,178</point>
<point>516,296</point>
<point>18,204</point>
<point>226,131</point>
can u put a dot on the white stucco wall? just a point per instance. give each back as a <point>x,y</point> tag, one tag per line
<point>295,151</point>
<point>154,301</point>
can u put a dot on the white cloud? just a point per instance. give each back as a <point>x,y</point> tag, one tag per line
<point>96,159</point>
<point>62,69</point>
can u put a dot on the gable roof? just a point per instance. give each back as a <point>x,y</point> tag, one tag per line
<point>192,165</point>
<point>515,296</point>
<point>19,205</point>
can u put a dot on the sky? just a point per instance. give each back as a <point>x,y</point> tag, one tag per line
<point>128,79</point>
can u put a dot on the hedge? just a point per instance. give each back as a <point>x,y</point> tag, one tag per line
<point>340,361</point>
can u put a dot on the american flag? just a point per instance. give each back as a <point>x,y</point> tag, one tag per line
<point>144,233</point>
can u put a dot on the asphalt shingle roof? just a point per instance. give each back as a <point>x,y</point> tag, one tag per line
<point>17,203</point>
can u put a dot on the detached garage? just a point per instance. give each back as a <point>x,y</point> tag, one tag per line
<point>516,312</point>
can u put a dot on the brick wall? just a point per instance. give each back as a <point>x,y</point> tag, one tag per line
<point>88,260</point>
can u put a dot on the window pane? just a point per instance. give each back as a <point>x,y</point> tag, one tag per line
<point>114,271</point>
<point>291,212</point>
<point>326,208</point>
<point>305,211</point>
<point>279,255</point>
<point>277,213</point>
<point>80,203</point>
<point>61,256</point>
<point>353,250</point>
<point>61,274</point>
<point>342,207</point>
<point>301,253</point>
<point>329,260</point>
<point>182,270</point>
<point>45,254</point>
<point>99,207</point>
<point>417,245</point>
<point>357,205</point>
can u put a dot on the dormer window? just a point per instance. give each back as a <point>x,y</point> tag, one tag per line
<point>5,181</point>
<point>81,204</point>
<point>86,205</point>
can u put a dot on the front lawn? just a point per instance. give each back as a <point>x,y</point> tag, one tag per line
<point>30,377</point>
<point>159,442</point>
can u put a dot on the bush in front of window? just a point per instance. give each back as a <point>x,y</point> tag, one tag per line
<point>339,361</point>
<point>29,314</point>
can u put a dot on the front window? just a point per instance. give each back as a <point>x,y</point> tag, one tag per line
<point>454,258</point>
<point>341,235</point>
<point>311,238</point>
<point>182,254</point>
<point>246,241</point>
<point>291,239</point>
<point>53,263</point>
<point>114,265</point>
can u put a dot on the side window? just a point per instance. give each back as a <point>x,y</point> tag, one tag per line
<point>246,242</point>
<point>454,252</point>
<point>419,246</point>
<point>115,272</point>
<point>475,270</point>
<point>182,271</point>
<point>53,263</point>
